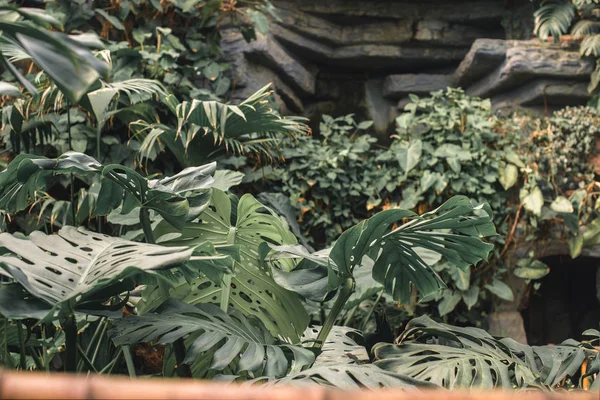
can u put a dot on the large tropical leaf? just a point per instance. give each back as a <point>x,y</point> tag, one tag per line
<point>228,338</point>
<point>453,230</point>
<point>446,366</point>
<point>207,129</point>
<point>66,59</point>
<point>350,377</point>
<point>341,346</point>
<point>554,18</point>
<point>252,290</point>
<point>74,265</point>
<point>177,199</point>
<point>457,357</point>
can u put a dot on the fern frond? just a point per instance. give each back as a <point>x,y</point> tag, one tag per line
<point>554,18</point>
<point>590,46</point>
<point>585,28</point>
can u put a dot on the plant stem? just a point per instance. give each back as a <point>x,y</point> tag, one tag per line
<point>225,292</point>
<point>69,326</point>
<point>109,367</point>
<point>183,370</point>
<point>72,177</point>
<point>22,355</point>
<point>350,315</point>
<point>226,285</point>
<point>45,349</point>
<point>7,359</point>
<point>100,328</point>
<point>343,295</point>
<point>368,316</point>
<point>104,326</point>
<point>85,358</point>
<point>69,125</point>
<point>129,362</point>
<point>146,225</point>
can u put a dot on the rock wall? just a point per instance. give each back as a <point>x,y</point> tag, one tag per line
<point>340,56</point>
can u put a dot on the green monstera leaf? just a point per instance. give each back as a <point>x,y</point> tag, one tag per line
<point>350,377</point>
<point>251,289</point>
<point>455,357</point>
<point>177,199</point>
<point>225,338</point>
<point>67,269</point>
<point>453,230</point>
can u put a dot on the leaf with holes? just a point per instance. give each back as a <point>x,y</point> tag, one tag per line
<point>457,357</point>
<point>232,338</point>
<point>252,290</point>
<point>445,366</point>
<point>177,199</point>
<point>350,377</point>
<point>341,346</point>
<point>453,230</point>
<point>76,264</point>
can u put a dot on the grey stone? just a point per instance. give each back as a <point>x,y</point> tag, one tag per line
<point>507,324</point>
<point>314,27</point>
<point>248,76</point>
<point>523,64</point>
<point>399,86</point>
<point>444,33</point>
<point>380,110</point>
<point>268,52</point>
<point>485,56</point>
<point>452,10</point>
<point>547,93</point>
<point>367,56</point>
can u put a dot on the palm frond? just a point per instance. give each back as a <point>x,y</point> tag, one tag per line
<point>585,28</point>
<point>137,86</point>
<point>553,18</point>
<point>12,51</point>
<point>590,46</point>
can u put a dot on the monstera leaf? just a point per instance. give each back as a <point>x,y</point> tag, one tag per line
<point>251,289</point>
<point>447,366</point>
<point>339,348</point>
<point>456,357</point>
<point>177,199</point>
<point>350,377</point>
<point>453,230</point>
<point>66,59</point>
<point>225,338</point>
<point>74,265</point>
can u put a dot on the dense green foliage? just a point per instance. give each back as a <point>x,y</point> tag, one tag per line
<point>153,249</point>
<point>536,174</point>
<point>555,18</point>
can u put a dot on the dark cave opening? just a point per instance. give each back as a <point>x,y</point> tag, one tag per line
<point>566,304</point>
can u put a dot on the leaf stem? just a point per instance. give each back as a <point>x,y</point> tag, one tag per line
<point>226,285</point>
<point>146,225</point>
<point>343,295</point>
<point>109,367</point>
<point>183,370</point>
<point>85,359</point>
<point>129,362</point>
<point>22,355</point>
<point>45,349</point>
<point>69,326</point>
<point>368,316</point>
<point>72,177</point>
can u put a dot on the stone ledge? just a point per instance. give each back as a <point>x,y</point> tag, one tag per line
<point>522,64</point>
<point>399,86</point>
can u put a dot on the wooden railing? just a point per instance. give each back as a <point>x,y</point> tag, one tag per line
<point>15,385</point>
